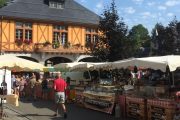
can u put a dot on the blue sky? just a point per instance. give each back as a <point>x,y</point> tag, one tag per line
<point>145,12</point>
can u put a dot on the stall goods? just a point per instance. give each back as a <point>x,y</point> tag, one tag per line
<point>79,95</point>
<point>99,101</point>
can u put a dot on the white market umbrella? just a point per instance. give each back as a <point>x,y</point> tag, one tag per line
<point>19,64</point>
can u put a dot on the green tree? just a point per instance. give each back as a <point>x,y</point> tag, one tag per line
<point>140,40</point>
<point>158,40</point>
<point>173,37</point>
<point>111,44</point>
<point>167,41</point>
<point>2,3</point>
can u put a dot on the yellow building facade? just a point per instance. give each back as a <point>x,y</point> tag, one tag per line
<point>40,38</point>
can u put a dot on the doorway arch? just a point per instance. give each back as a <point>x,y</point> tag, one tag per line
<point>29,58</point>
<point>56,60</point>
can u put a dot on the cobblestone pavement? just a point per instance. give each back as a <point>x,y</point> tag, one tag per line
<point>43,110</point>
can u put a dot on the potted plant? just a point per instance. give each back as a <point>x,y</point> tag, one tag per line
<point>56,44</point>
<point>67,45</point>
<point>19,42</point>
<point>27,41</point>
<point>46,43</point>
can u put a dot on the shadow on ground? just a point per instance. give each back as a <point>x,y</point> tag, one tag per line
<point>44,110</point>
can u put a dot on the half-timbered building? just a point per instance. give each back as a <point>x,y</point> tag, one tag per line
<point>47,31</point>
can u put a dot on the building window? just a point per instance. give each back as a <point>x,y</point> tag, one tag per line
<point>52,5</point>
<point>91,37</point>
<point>24,32</point>
<point>56,4</point>
<point>60,35</point>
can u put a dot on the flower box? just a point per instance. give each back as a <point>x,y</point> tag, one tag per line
<point>27,41</point>
<point>19,42</point>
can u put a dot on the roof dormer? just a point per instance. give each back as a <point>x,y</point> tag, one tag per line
<point>57,4</point>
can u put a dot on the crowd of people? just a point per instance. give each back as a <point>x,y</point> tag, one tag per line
<point>25,86</point>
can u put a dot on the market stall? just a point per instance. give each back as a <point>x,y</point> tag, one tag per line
<point>101,98</point>
<point>151,85</point>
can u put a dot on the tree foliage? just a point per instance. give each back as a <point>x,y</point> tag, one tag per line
<point>166,40</point>
<point>140,40</point>
<point>2,3</point>
<point>111,45</point>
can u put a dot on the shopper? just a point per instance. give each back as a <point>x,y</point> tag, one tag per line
<point>32,83</point>
<point>45,90</point>
<point>60,87</point>
<point>22,84</point>
<point>16,85</point>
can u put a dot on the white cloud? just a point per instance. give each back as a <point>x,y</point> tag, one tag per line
<point>162,7</point>
<point>138,1</point>
<point>99,7</point>
<point>170,14</point>
<point>83,1</point>
<point>130,10</point>
<point>162,19</point>
<point>172,3</point>
<point>119,12</point>
<point>135,20</point>
<point>159,14</point>
<point>146,15</point>
<point>151,3</point>
<point>127,20</point>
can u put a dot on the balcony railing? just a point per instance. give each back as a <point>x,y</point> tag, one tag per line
<point>40,47</point>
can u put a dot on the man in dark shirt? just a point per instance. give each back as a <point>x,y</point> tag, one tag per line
<point>60,87</point>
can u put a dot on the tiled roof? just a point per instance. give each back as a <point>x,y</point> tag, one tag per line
<point>40,10</point>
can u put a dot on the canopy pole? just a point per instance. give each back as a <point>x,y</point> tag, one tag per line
<point>90,75</point>
<point>173,79</point>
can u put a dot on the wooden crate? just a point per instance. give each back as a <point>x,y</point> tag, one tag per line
<point>160,109</point>
<point>136,108</point>
<point>12,99</point>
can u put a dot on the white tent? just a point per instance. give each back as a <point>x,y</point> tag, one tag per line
<point>87,66</point>
<point>103,65</point>
<point>122,63</point>
<point>66,65</point>
<point>159,62</point>
<point>173,61</point>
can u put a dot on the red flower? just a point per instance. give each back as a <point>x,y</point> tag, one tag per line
<point>27,41</point>
<point>19,42</point>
